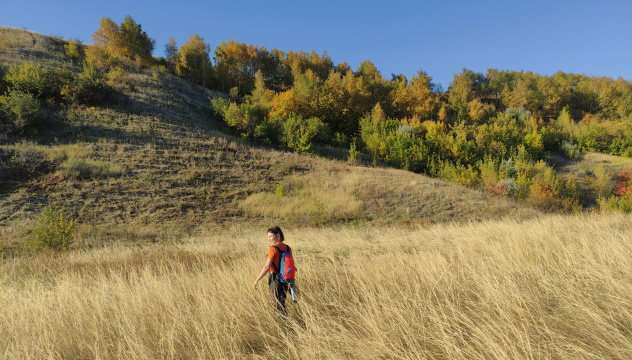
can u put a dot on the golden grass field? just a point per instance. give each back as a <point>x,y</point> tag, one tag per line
<point>554,287</point>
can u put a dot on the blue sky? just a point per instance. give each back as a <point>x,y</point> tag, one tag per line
<point>440,37</point>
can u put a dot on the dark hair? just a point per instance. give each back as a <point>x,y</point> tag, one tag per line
<point>277,230</point>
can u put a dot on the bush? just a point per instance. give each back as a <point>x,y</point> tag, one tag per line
<point>268,132</point>
<point>570,150</point>
<point>318,213</point>
<point>27,78</point>
<point>54,230</point>
<point>461,174</point>
<point>20,110</point>
<point>299,134</point>
<point>508,169</point>
<point>74,51</point>
<point>353,151</point>
<point>30,159</point>
<point>615,203</point>
<point>41,82</point>
<point>90,88</point>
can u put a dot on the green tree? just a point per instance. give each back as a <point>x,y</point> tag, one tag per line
<point>194,63</point>
<point>465,87</point>
<point>236,65</point>
<point>135,42</point>
<point>172,53</point>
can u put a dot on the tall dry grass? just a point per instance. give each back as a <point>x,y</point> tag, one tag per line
<point>549,288</point>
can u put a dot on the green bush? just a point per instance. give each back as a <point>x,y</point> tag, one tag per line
<point>19,110</point>
<point>353,151</point>
<point>571,151</point>
<point>74,51</point>
<point>615,203</point>
<point>318,214</point>
<point>90,88</point>
<point>41,82</point>
<point>53,231</point>
<point>268,132</point>
<point>300,134</point>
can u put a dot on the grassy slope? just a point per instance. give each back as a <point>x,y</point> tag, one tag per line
<point>179,170</point>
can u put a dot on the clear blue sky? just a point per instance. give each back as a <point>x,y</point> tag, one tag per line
<point>441,37</point>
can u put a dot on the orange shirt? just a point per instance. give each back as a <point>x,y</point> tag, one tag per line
<point>275,255</point>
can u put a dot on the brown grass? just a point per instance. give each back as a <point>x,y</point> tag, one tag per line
<point>18,45</point>
<point>554,288</point>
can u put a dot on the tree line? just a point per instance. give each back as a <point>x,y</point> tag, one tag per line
<point>491,130</point>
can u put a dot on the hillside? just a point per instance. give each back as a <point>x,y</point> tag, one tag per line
<point>154,159</point>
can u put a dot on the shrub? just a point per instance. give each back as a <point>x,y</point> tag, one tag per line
<point>509,185</point>
<point>21,162</point>
<point>268,132</point>
<point>73,51</point>
<point>353,151</point>
<point>279,191</point>
<point>624,185</point>
<point>54,230</point>
<point>117,77</point>
<point>20,109</point>
<point>318,213</point>
<point>496,189</point>
<point>603,182</point>
<point>90,88</point>
<point>571,150</point>
<point>41,82</point>
<point>29,159</point>
<point>461,174</point>
<point>299,134</point>
<point>507,168</point>
<point>27,78</point>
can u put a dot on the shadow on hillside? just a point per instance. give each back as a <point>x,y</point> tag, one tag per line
<point>94,133</point>
<point>191,116</point>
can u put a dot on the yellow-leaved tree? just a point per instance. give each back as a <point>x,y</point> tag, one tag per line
<point>415,98</point>
<point>126,40</point>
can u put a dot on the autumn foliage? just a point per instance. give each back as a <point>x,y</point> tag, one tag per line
<point>298,100</point>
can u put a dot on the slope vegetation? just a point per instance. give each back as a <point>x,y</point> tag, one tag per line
<point>153,163</point>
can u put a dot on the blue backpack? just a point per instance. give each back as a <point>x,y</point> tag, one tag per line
<point>287,268</point>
